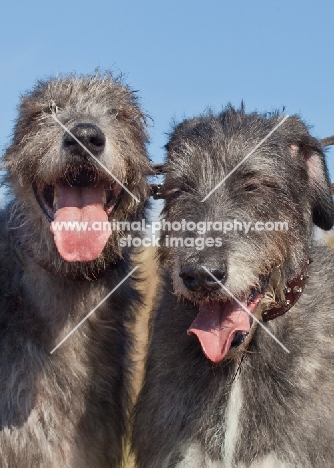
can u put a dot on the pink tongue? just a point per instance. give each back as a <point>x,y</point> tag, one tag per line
<point>80,205</point>
<point>215,326</point>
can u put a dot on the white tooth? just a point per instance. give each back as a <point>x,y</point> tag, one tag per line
<point>104,198</point>
<point>55,199</point>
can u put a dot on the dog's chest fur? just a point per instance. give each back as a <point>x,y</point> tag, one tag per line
<point>56,400</point>
<point>196,457</point>
<point>230,437</point>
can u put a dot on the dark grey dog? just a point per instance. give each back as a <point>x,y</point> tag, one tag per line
<point>226,394</point>
<point>68,408</point>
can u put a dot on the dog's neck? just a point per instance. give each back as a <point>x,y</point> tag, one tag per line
<point>277,304</point>
<point>292,291</point>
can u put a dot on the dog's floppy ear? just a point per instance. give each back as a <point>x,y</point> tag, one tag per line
<point>303,145</point>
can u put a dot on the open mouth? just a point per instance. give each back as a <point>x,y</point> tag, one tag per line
<point>77,184</point>
<point>224,324</point>
<point>78,206</point>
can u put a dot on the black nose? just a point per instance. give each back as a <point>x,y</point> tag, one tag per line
<point>196,278</point>
<point>91,137</point>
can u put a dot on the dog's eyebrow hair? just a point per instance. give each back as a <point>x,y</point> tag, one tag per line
<point>245,158</point>
<point>94,157</point>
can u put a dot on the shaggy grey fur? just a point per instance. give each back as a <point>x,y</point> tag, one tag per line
<point>69,408</point>
<point>262,407</point>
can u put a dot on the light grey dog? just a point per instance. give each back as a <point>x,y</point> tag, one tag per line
<point>219,390</point>
<point>69,408</point>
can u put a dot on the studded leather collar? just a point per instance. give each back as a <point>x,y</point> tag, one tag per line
<point>293,291</point>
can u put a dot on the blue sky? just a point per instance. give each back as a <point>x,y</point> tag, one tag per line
<point>182,56</point>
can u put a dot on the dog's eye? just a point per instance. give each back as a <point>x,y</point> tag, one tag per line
<point>251,187</point>
<point>51,108</point>
<point>259,186</point>
<point>174,193</point>
<point>270,185</point>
